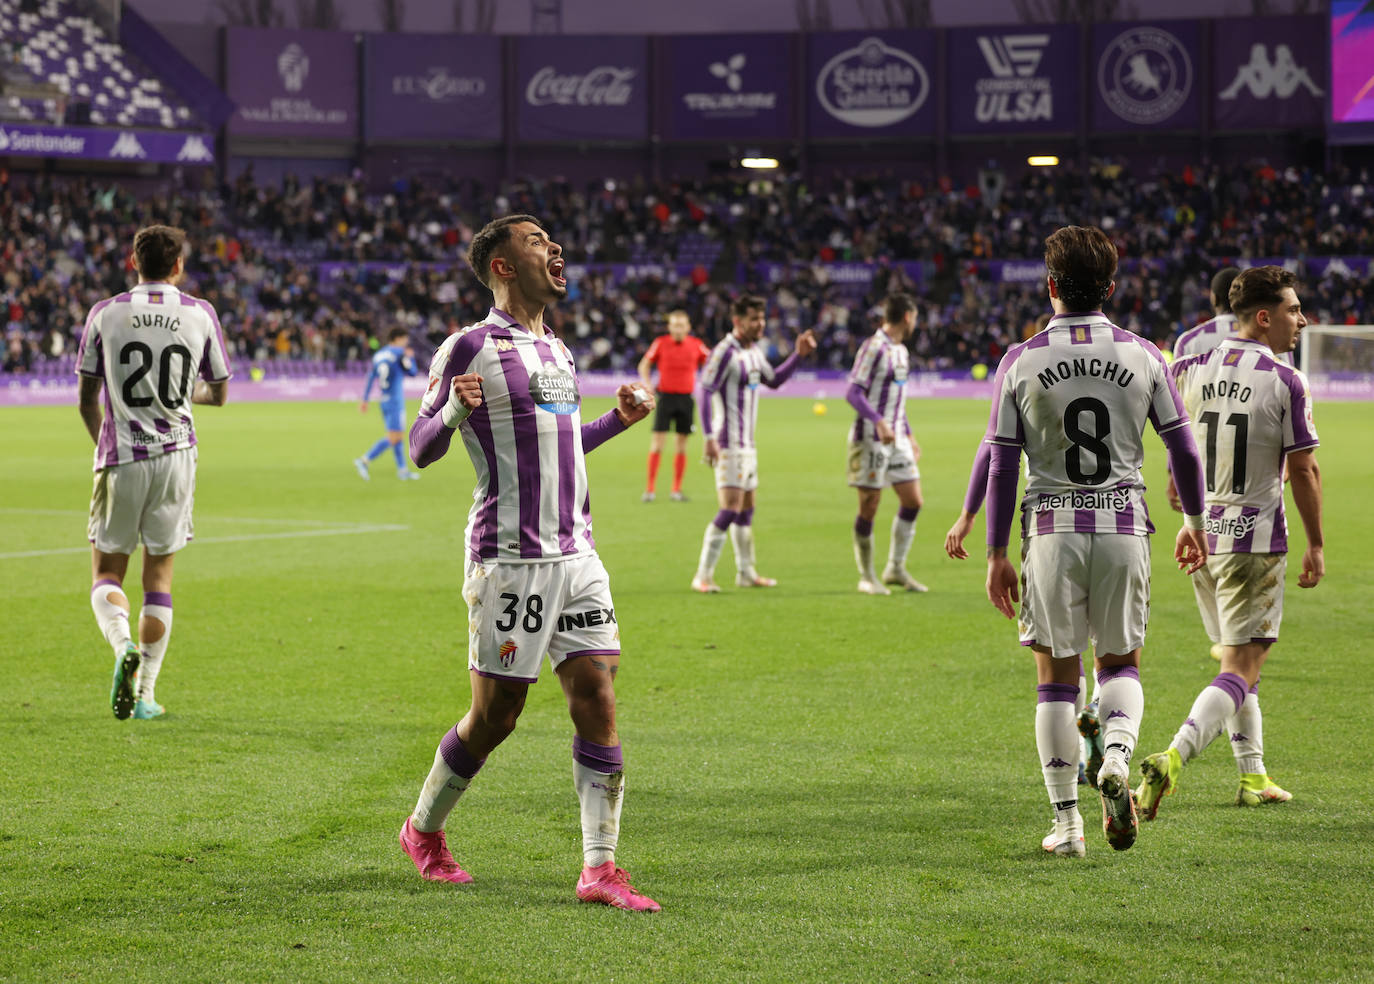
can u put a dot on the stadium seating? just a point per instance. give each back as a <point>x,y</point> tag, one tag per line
<point>59,45</point>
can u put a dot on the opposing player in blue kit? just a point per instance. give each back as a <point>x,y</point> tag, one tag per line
<point>390,366</point>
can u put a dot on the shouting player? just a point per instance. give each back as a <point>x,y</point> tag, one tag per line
<point>881,449</point>
<point>533,582</point>
<point>1077,397</point>
<point>145,348</point>
<point>678,355</point>
<point>732,377</point>
<point>390,365</point>
<point>1251,413</point>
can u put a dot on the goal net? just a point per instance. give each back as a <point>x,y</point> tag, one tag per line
<point>1339,359</point>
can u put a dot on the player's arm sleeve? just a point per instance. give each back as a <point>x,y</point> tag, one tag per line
<point>1299,430</point>
<point>1170,421</point>
<point>978,479</point>
<point>434,425</point>
<point>775,376</point>
<point>601,430</point>
<point>90,355</point>
<point>1005,438</point>
<point>711,380</point>
<point>858,399</point>
<point>409,366</point>
<point>371,378</point>
<point>214,358</point>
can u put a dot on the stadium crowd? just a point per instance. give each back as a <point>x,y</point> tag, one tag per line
<point>257,250</point>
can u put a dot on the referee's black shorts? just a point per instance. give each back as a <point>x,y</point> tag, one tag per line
<point>675,409</point>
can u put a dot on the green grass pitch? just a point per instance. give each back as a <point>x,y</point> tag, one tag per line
<point>822,786</point>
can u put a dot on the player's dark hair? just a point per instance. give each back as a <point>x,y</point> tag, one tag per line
<point>1082,262</point>
<point>156,251</point>
<point>898,306</point>
<point>746,303</point>
<point>490,238</point>
<point>1221,289</point>
<point>1259,287</point>
<point>396,333</point>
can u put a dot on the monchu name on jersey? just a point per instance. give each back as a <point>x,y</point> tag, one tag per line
<point>1097,368</point>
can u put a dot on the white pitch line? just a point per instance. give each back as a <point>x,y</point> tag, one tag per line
<point>294,534</point>
<point>265,521</point>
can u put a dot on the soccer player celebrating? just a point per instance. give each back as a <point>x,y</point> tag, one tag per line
<point>144,349</point>
<point>730,385</point>
<point>678,355</point>
<point>533,581</point>
<point>390,365</point>
<point>881,449</point>
<point>1250,412</point>
<point>1076,397</point>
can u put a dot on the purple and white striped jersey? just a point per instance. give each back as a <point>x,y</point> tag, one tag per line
<point>1205,337</point>
<point>148,345</point>
<point>525,441</point>
<point>1077,397</point>
<point>731,383</point>
<point>880,369</point>
<point>1249,412</point>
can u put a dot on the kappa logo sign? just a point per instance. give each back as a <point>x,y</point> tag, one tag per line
<point>1145,75</point>
<point>1281,77</point>
<point>293,65</point>
<point>194,151</point>
<point>1010,55</point>
<point>127,146</point>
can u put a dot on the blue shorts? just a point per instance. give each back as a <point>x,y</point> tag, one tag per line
<point>394,415</point>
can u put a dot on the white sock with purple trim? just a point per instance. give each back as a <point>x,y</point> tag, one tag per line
<point>111,616</point>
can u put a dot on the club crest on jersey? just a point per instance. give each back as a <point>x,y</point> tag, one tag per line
<point>507,653</point>
<point>554,389</point>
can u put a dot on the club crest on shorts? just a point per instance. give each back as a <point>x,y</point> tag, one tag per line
<point>507,653</point>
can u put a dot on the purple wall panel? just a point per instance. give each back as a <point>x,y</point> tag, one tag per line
<point>1146,76</point>
<point>293,83</point>
<point>596,88</point>
<point>728,86</point>
<point>1269,72</point>
<point>870,84</point>
<point>1014,79</point>
<point>432,87</point>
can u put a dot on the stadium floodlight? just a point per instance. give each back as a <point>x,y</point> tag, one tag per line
<point>1042,160</point>
<point>1338,349</point>
<point>759,163</point>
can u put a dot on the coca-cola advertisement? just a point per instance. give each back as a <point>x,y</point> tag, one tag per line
<point>582,88</point>
<point>432,87</point>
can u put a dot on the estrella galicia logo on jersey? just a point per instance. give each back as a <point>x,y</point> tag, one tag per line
<point>1145,75</point>
<point>507,653</point>
<point>754,377</point>
<point>554,389</point>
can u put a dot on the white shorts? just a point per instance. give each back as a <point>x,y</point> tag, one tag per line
<point>519,612</point>
<point>873,464</point>
<point>1080,589</point>
<point>738,468</point>
<point>1240,596</point>
<point>149,499</point>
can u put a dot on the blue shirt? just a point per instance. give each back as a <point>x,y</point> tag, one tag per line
<point>388,366</point>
